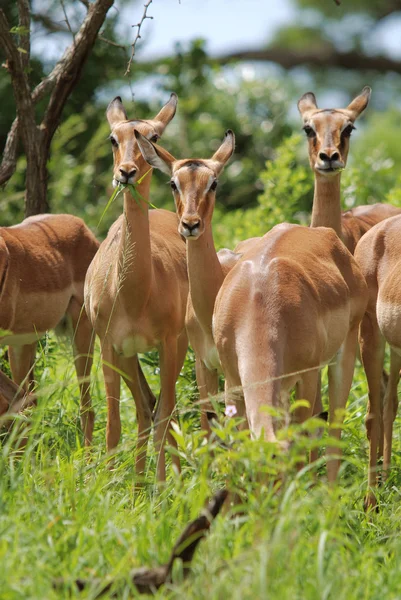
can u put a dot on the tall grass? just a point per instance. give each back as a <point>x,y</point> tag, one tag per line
<point>66,514</point>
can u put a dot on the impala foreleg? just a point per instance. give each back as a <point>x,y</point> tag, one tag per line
<point>390,408</point>
<point>112,385</point>
<point>82,343</point>
<point>133,377</point>
<point>372,353</point>
<point>208,385</point>
<point>340,381</point>
<point>168,376</point>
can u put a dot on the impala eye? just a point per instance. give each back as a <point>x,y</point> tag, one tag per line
<point>173,186</point>
<point>213,186</point>
<point>154,138</point>
<point>113,141</point>
<point>309,131</point>
<point>348,130</point>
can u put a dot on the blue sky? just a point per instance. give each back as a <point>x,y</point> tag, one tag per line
<point>226,25</point>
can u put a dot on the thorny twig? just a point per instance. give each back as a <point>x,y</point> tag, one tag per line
<point>138,34</point>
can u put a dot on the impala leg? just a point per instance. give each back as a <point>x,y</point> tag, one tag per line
<point>340,380</point>
<point>133,378</point>
<point>83,343</point>
<point>208,385</point>
<point>146,392</point>
<point>112,385</point>
<point>22,360</point>
<point>182,347</point>
<point>306,390</point>
<point>168,376</point>
<point>317,411</point>
<point>372,352</point>
<point>390,408</point>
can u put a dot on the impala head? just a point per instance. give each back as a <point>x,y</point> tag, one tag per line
<point>193,182</point>
<point>329,130</point>
<point>129,164</point>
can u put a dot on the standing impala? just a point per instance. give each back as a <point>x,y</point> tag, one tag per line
<point>328,131</point>
<point>293,300</point>
<point>379,256</point>
<point>136,290</point>
<point>43,263</point>
<point>206,269</point>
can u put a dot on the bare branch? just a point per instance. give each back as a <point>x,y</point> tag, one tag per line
<point>138,34</point>
<point>66,20</point>
<point>48,23</point>
<point>111,43</point>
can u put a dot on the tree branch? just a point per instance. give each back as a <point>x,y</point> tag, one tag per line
<point>67,71</point>
<point>138,34</point>
<point>25,35</point>
<point>325,58</point>
<point>9,160</point>
<point>19,79</point>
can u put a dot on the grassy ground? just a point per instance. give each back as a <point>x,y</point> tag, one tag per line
<point>64,516</point>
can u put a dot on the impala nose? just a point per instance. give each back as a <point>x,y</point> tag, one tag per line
<point>190,228</point>
<point>328,156</point>
<point>127,175</point>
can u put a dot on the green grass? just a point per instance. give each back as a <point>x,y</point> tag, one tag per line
<point>62,515</point>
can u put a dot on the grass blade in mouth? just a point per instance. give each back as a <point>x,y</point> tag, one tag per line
<point>132,187</point>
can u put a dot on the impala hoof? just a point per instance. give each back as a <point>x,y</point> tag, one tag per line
<point>370,503</point>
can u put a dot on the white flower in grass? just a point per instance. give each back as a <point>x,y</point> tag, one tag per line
<point>231,410</point>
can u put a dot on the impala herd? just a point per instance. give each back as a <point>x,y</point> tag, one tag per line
<point>267,315</point>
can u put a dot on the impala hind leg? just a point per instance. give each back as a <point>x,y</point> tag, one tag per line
<point>168,376</point>
<point>340,381</point>
<point>132,375</point>
<point>82,343</point>
<point>317,412</point>
<point>390,408</point>
<point>112,384</point>
<point>22,361</point>
<point>372,352</point>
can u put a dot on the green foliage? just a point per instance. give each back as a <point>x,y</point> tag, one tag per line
<point>64,515</point>
<point>288,190</point>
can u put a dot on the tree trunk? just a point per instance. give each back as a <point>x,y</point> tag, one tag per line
<point>36,178</point>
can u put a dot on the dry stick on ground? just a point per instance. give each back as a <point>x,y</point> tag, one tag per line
<point>13,399</point>
<point>148,581</point>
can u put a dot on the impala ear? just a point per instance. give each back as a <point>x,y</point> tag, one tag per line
<point>359,103</point>
<point>115,112</point>
<point>306,103</point>
<point>226,150</point>
<point>155,156</point>
<point>163,118</point>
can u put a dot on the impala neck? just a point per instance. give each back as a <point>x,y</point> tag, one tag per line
<point>326,211</point>
<point>135,264</point>
<point>205,277</point>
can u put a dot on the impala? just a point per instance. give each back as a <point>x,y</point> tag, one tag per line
<point>136,290</point>
<point>206,269</point>
<point>292,301</point>
<point>43,263</point>
<point>378,254</point>
<point>328,132</point>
